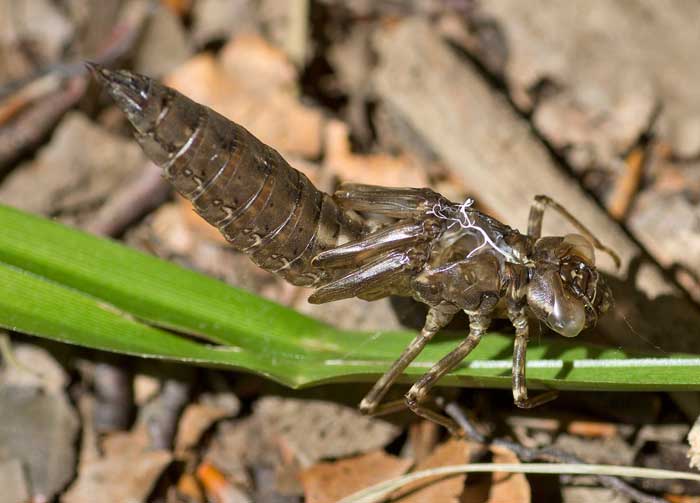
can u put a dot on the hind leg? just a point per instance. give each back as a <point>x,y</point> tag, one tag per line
<point>417,396</point>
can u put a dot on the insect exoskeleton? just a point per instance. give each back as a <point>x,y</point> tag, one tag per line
<point>261,205</point>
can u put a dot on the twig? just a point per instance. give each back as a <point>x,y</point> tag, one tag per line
<point>547,454</point>
<point>31,126</point>
<point>627,184</point>
<point>298,31</point>
<point>130,203</point>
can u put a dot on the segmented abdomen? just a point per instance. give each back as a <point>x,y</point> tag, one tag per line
<point>261,205</point>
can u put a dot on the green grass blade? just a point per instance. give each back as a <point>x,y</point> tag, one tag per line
<point>63,284</point>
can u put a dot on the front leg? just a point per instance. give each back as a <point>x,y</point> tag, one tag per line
<point>522,333</point>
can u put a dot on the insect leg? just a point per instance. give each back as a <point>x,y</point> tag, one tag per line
<point>418,394</point>
<point>534,227</point>
<point>360,251</point>
<point>437,318</point>
<point>522,330</point>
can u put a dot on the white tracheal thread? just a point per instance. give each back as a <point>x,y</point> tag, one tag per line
<point>465,222</point>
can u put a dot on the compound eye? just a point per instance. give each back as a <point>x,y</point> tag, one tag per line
<point>567,315</point>
<point>580,246</point>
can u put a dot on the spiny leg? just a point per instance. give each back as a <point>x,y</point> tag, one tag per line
<point>534,226</point>
<point>522,332</point>
<point>437,318</point>
<point>418,394</point>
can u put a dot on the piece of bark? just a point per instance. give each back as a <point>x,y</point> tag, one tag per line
<point>479,135</point>
<point>668,224</point>
<point>613,85</point>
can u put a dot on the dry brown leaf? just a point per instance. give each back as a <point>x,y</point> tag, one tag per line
<point>329,482</point>
<point>445,490</point>
<point>198,417</point>
<point>314,429</point>
<point>373,169</point>
<point>253,84</point>
<point>126,472</point>
<point>508,487</point>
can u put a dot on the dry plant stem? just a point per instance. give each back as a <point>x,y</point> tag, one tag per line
<point>548,455</point>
